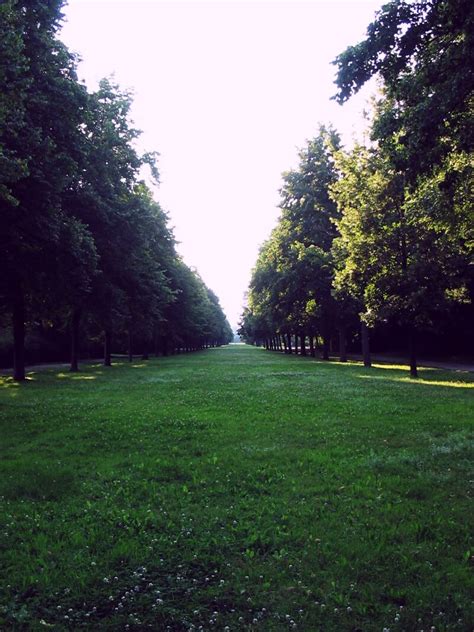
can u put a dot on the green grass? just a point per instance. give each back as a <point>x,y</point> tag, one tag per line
<point>239,488</point>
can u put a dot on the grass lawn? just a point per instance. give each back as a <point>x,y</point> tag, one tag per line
<point>237,489</point>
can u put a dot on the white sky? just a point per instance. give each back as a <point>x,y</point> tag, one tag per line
<point>227,92</point>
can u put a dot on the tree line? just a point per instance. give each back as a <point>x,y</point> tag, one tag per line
<point>380,237</point>
<point>84,245</point>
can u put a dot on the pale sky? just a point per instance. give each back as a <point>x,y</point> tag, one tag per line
<point>226,91</point>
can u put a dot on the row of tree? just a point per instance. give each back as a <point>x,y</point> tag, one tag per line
<point>81,238</point>
<point>383,232</point>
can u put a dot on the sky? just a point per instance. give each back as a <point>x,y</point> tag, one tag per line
<point>227,91</point>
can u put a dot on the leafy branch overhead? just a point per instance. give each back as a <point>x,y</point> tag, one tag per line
<point>423,51</point>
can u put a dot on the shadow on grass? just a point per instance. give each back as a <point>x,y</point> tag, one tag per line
<point>428,376</point>
<point>36,482</point>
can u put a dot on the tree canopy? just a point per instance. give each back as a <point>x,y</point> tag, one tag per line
<point>382,231</point>
<point>423,51</point>
<point>84,244</point>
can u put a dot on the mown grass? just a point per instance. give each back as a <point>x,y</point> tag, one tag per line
<point>236,489</point>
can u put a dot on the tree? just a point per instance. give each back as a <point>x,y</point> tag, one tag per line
<point>424,52</point>
<point>40,112</point>
<point>110,202</point>
<point>404,227</point>
<point>291,291</point>
<point>402,260</point>
<point>77,223</point>
<point>267,297</point>
<point>14,82</point>
<point>194,319</point>
<point>72,284</point>
<point>144,279</point>
<point>219,331</point>
<point>309,214</point>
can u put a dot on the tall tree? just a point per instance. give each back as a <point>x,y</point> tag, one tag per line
<point>39,142</point>
<point>424,52</point>
<point>402,260</point>
<point>419,169</point>
<point>14,82</point>
<point>291,286</point>
<point>311,214</point>
<point>144,271</point>
<point>71,285</point>
<point>194,318</point>
<point>106,203</point>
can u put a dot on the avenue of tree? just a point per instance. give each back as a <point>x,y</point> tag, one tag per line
<point>382,234</point>
<point>83,244</point>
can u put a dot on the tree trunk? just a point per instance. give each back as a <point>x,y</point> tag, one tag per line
<point>146,346</point>
<point>130,345</point>
<point>107,347</point>
<point>303,344</point>
<point>326,336</point>
<point>312,351</point>
<point>18,321</point>
<point>413,363</point>
<point>365,340</point>
<point>75,325</point>
<point>326,342</point>
<point>288,337</point>
<point>296,344</point>
<point>342,344</point>
<point>285,345</point>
